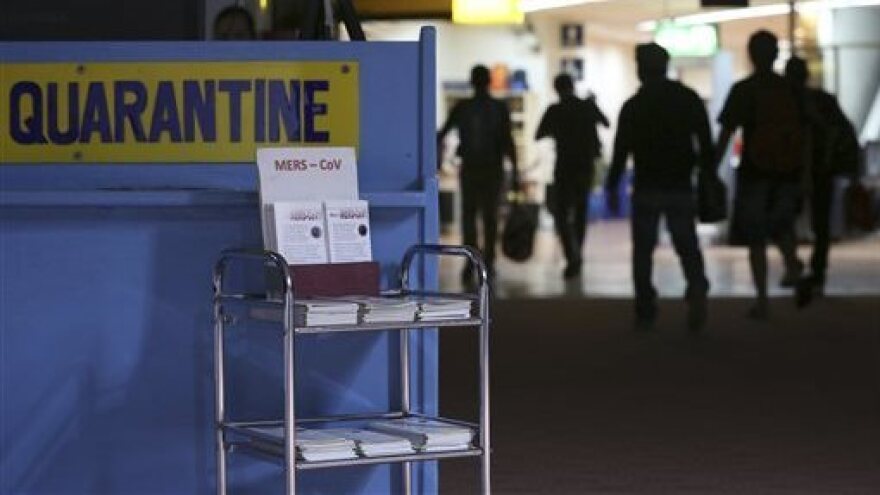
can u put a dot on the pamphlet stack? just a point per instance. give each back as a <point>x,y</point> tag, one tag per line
<point>317,445</point>
<point>375,444</point>
<point>318,312</point>
<point>385,309</point>
<point>433,308</point>
<point>427,435</point>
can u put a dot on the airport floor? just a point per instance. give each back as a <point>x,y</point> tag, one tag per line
<point>854,267</point>
<point>582,404</point>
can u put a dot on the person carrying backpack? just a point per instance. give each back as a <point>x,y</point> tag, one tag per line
<point>765,106</point>
<point>834,151</point>
<point>572,124</point>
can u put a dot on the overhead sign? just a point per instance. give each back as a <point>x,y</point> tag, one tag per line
<point>173,112</point>
<point>699,40</point>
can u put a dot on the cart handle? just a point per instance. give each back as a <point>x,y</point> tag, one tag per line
<point>472,255</point>
<point>269,257</point>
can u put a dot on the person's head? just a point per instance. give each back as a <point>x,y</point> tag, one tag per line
<point>796,71</point>
<point>763,50</point>
<point>234,23</point>
<point>652,61</point>
<point>564,85</point>
<point>480,78</point>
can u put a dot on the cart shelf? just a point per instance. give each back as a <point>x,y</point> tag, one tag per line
<point>247,435</point>
<point>276,315</point>
<point>256,441</point>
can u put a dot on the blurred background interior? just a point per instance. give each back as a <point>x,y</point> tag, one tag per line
<point>526,44</point>
<point>790,407</point>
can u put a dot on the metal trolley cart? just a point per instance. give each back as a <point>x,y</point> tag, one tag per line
<point>244,435</point>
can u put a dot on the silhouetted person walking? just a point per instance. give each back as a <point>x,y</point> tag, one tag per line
<point>768,177</point>
<point>484,132</point>
<point>572,125</point>
<point>659,126</point>
<point>833,151</point>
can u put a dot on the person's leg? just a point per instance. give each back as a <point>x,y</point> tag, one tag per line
<point>580,218</point>
<point>574,199</point>
<point>752,205</point>
<point>786,241</point>
<point>562,213</point>
<point>823,188</point>
<point>644,223</point>
<point>758,266</point>
<point>489,199</point>
<point>468,222</point>
<point>680,220</point>
<point>785,204</point>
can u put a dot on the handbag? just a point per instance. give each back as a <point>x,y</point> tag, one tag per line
<point>518,238</point>
<point>711,198</point>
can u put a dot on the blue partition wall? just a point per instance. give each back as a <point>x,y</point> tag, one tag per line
<point>105,295</point>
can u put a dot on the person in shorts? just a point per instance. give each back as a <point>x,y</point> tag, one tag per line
<point>768,197</point>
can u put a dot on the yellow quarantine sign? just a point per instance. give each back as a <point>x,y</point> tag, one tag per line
<point>173,112</point>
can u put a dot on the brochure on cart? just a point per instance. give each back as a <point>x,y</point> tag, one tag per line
<point>427,435</point>
<point>309,206</point>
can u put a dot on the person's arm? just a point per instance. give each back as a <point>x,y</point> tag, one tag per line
<point>509,146</point>
<point>707,158</point>
<point>622,150</point>
<point>730,118</point>
<point>600,116</point>
<point>724,137</point>
<point>451,121</point>
<point>545,127</point>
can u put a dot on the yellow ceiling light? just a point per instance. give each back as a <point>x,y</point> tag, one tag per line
<point>486,12</point>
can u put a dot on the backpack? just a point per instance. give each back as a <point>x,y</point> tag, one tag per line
<point>845,151</point>
<point>481,131</point>
<point>838,151</point>
<point>776,145</point>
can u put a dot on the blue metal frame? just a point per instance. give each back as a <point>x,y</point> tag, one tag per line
<point>105,324</point>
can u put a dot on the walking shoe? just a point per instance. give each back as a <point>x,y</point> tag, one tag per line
<point>803,292</point>
<point>818,283</point>
<point>760,311</point>
<point>792,277</point>
<point>643,325</point>
<point>646,314</point>
<point>572,270</point>
<point>697,312</point>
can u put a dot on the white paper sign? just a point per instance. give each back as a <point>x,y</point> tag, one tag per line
<point>304,174</point>
<point>348,231</point>
<point>299,232</point>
